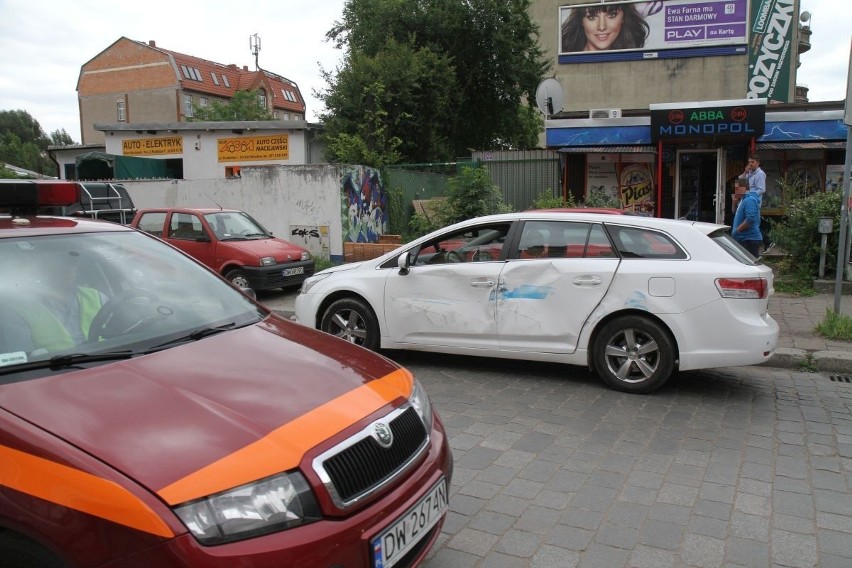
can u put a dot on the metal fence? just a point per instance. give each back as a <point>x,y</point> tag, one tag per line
<point>521,176</point>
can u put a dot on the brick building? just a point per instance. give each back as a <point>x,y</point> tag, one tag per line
<point>135,82</point>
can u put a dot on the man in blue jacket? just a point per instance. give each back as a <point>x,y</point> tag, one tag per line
<point>746,225</point>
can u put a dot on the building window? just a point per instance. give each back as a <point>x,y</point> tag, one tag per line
<point>225,80</point>
<point>121,112</point>
<point>203,102</point>
<point>275,114</point>
<point>261,98</point>
<point>187,106</point>
<point>215,79</point>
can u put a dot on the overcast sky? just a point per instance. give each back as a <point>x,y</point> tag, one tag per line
<point>43,44</point>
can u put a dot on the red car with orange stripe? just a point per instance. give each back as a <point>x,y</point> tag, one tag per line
<point>151,414</point>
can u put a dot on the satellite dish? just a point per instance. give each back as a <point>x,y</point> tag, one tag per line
<point>549,97</point>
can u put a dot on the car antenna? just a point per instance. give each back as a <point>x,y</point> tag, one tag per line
<point>214,201</point>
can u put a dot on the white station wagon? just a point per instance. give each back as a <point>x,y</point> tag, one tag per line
<point>633,298</point>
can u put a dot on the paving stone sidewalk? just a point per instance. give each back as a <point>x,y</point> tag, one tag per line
<point>799,345</point>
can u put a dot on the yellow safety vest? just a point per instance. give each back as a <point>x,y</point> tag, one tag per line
<point>47,331</point>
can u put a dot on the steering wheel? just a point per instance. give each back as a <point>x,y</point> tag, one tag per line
<point>127,311</point>
<point>454,256</point>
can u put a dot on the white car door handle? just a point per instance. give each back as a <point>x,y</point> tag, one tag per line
<point>486,283</point>
<point>588,280</point>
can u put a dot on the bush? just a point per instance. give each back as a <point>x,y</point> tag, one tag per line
<point>798,234</point>
<point>396,211</point>
<point>469,194</point>
<point>546,200</point>
<point>472,194</point>
<point>600,198</point>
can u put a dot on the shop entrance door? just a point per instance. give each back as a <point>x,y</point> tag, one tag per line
<point>700,189</point>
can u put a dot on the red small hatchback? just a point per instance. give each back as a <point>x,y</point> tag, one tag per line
<point>232,243</point>
<point>153,415</point>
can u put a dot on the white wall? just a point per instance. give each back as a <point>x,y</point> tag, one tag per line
<point>200,148</point>
<point>280,197</point>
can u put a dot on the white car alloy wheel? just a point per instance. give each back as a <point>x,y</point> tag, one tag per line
<point>634,354</point>
<point>352,320</point>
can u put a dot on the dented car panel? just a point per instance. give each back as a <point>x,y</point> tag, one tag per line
<point>634,298</point>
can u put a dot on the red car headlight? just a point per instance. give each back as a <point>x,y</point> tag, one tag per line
<point>269,505</point>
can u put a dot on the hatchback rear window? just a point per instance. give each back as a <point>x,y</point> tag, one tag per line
<point>639,242</point>
<point>724,239</point>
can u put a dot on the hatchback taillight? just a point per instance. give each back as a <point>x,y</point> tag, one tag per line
<point>749,288</point>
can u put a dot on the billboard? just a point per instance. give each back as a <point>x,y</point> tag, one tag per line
<point>771,49</point>
<point>253,148</point>
<point>152,146</point>
<point>616,31</point>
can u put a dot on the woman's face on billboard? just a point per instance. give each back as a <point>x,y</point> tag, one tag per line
<point>602,27</point>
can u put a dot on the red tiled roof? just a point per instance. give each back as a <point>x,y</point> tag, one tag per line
<point>201,76</point>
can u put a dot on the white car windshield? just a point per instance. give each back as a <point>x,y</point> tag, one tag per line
<point>108,292</point>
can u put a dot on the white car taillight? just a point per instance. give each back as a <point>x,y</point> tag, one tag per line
<point>748,288</point>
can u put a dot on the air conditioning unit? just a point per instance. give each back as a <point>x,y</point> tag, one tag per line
<point>605,113</point>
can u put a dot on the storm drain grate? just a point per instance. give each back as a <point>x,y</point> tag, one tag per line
<point>841,378</point>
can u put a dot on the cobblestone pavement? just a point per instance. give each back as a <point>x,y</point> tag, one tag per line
<point>738,467</point>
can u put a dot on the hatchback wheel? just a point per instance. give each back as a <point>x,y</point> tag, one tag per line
<point>352,320</point>
<point>238,278</point>
<point>633,354</point>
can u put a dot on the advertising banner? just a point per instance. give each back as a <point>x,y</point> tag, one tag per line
<point>771,50</point>
<point>152,146</point>
<point>641,30</point>
<point>629,182</point>
<point>636,185</point>
<point>253,148</point>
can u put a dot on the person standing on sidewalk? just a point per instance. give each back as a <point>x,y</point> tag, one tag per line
<point>746,226</point>
<point>755,177</point>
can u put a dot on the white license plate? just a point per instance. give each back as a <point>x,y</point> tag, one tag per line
<point>293,271</point>
<point>390,547</point>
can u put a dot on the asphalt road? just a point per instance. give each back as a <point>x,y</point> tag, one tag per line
<point>737,467</point>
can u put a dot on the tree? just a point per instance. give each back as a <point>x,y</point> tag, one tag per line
<point>388,105</point>
<point>24,126</point>
<point>456,75</point>
<point>23,143</point>
<point>61,138</point>
<point>244,105</point>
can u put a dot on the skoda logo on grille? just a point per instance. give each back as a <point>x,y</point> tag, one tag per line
<point>383,434</point>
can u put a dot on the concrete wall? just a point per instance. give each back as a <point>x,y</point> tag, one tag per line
<point>316,206</point>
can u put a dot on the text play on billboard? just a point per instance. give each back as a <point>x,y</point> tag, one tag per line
<point>615,31</point>
<point>743,121</point>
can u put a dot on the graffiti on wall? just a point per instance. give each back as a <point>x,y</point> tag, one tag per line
<point>364,205</point>
<point>312,237</point>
